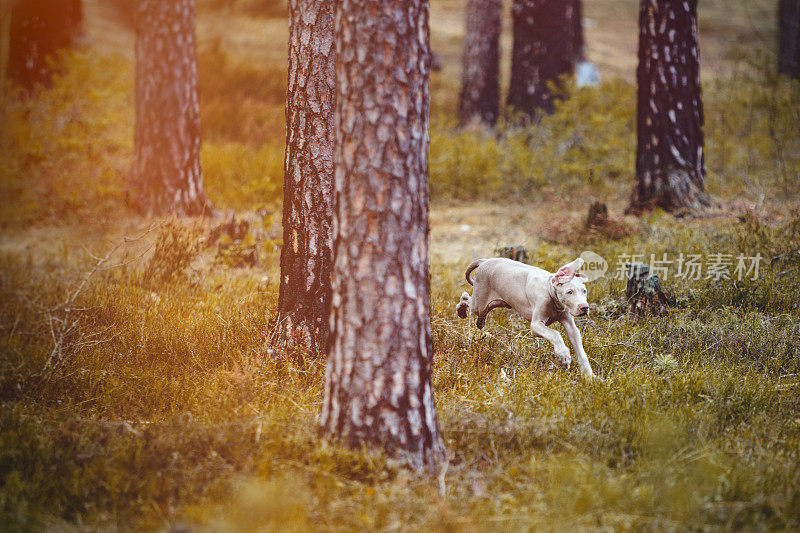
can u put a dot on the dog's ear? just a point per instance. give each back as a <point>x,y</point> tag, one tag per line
<point>567,272</point>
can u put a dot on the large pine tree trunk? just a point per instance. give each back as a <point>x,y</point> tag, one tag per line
<point>480,89</point>
<point>378,389</point>
<point>669,155</point>
<point>167,139</point>
<point>306,256</point>
<point>789,38</point>
<point>543,51</point>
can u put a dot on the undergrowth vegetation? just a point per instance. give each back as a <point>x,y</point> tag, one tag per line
<point>69,136</point>
<point>167,396</point>
<point>139,388</point>
<point>67,152</point>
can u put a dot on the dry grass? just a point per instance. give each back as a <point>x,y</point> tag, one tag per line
<point>166,409</point>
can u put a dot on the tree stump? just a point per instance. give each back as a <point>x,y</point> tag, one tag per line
<point>515,253</point>
<point>643,292</point>
<point>598,215</point>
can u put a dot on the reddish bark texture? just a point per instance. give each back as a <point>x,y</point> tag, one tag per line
<point>306,256</point>
<point>167,139</point>
<point>378,389</point>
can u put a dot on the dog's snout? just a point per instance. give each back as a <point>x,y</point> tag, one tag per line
<point>584,309</point>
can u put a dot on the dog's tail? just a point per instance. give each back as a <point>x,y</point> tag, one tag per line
<point>472,266</point>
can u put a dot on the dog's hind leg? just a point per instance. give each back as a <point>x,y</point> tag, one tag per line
<point>463,305</point>
<point>497,302</point>
<point>480,297</point>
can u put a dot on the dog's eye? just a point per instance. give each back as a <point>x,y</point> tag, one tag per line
<point>584,291</point>
<point>570,291</point>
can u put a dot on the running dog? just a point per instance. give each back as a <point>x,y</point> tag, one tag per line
<point>537,295</point>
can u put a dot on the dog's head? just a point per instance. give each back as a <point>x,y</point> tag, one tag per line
<point>570,288</point>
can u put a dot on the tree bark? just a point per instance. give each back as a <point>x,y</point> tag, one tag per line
<point>36,30</point>
<point>306,255</point>
<point>167,137</point>
<point>480,87</point>
<point>378,389</point>
<point>541,54</point>
<point>789,38</point>
<point>644,293</point>
<point>669,157</point>
<point>577,42</point>
<point>5,41</point>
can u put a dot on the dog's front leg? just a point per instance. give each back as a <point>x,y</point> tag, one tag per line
<point>574,336</point>
<point>562,352</point>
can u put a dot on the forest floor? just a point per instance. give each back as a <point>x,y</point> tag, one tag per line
<point>138,387</point>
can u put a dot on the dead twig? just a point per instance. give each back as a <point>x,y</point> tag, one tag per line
<point>61,318</point>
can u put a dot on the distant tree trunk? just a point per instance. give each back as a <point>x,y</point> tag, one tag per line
<point>378,389</point>
<point>480,90</point>
<point>789,38</point>
<point>306,256</point>
<point>5,41</point>
<point>577,42</point>
<point>36,30</point>
<point>669,156</point>
<point>167,139</point>
<point>543,51</point>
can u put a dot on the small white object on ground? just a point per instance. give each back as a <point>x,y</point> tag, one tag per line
<point>587,74</point>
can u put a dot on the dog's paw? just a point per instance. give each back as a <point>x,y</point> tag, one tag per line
<point>463,306</point>
<point>587,374</point>
<point>563,358</point>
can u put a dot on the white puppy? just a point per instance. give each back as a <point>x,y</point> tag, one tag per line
<point>537,295</point>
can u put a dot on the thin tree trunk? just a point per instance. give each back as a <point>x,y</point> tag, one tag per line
<point>480,89</point>
<point>577,42</point>
<point>167,139</point>
<point>789,38</point>
<point>306,256</point>
<point>5,40</point>
<point>378,389</point>
<point>543,51</point>
<point>669,156</point>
